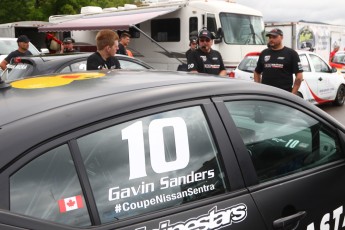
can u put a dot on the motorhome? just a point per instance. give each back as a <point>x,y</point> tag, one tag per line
<point>313,36</point>
<point>29,28</point>
<point>161,30</point>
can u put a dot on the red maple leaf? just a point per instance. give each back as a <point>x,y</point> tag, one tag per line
<point>70,203</point>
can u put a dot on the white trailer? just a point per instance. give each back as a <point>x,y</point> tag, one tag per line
<point>317,37</point>
<point>161,30</point>
<point>29,28</point>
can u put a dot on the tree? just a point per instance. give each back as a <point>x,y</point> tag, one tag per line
<point>40,10</point>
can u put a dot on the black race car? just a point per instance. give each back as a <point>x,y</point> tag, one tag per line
<point>166,150</point>
<point>28,66</point>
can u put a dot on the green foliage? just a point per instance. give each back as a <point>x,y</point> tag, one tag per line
<point>40,10</point>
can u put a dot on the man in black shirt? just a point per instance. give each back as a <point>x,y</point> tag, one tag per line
<point>23,50</point>
<point>278,63</point>
<point>205,59</point>
<point>104,58</point>
<point>193,45</point>
<point>67,46</point>
<point>125,38</point>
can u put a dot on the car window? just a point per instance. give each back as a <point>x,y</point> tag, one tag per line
<point>339,58</point>
<point>126,64</point>
<point>48,188</point>
<point>17,71</point>
<point>319,64</point>
<point>75,67</point>
<point>152,163</point>
<point>282,140</point>
<point>304,62</point>
<point>248,64</point>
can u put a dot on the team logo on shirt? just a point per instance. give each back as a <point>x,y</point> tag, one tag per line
<point>203,58</point>
<point>267,57</point>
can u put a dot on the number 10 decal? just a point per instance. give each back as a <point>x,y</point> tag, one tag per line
<point>135,136</point>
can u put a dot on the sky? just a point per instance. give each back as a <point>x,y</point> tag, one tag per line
<point>326,11</point>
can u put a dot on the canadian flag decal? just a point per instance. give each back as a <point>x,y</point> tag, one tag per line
<point>71,203</point>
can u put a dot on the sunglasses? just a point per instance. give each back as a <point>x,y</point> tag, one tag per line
<point>205,40</point>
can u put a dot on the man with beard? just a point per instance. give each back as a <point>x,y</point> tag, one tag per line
<point>23,50</point>
<point>278,63</point>
<point>205,59</point>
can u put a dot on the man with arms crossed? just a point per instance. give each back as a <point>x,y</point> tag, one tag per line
<point>278,63</point>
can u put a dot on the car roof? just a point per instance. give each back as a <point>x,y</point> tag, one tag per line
<point>36,110</point>
<point>56,90</point>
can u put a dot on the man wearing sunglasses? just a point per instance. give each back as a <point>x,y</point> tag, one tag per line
<point>278,63</point>
<point>204,59</point>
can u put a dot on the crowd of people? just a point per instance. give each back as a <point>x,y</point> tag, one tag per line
<point>276,64</point>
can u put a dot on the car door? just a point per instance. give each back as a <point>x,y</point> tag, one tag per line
<point>168,167</point>
<point>298,158</point>
<point>327,83</point>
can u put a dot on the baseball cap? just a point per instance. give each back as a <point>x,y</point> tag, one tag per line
<point>275,32</point>
<point>193,39</point>
<point>68,40</point>
<point>23,38</point>
<point>205,34</point>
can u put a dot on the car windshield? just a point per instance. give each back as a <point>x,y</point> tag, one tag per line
<point>242,29</point>
<point>339,58</point>
<point>17,71</point>
<point>248,64</point>
<point>7,46</point>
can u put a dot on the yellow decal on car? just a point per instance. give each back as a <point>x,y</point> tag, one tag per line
<point>53,81</point>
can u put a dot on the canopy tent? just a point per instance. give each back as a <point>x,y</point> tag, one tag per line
<point>119,20</point>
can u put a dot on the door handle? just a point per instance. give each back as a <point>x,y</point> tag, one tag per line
<point>320,79</point>
<point>289,222</point>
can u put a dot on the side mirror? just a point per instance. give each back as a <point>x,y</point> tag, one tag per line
<point>334,70</point>
<point>219,36</point>
<point>44,51</point>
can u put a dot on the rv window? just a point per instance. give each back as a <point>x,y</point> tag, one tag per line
<point>211,23</point>
<point>166,30</point>
<point>193,24</point>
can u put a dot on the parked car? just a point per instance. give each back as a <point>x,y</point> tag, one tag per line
<point>149,149</point>
<point>338,61</point>
<point>27,66</point>
<point>322,83</point>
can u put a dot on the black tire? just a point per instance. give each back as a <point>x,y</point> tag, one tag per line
<point>340,97</point>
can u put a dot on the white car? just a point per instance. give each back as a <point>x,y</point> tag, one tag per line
<point>7,45</point>
<point>321,84</point>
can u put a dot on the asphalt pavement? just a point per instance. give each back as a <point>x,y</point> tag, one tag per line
<point>338,112</point>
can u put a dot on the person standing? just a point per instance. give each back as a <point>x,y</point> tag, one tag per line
<point>336,48</point>
<point>278,63</point>
<point>107,42</point>
<point>23,50</point>
<point>193,45</point>
<point>125,38</point>
<point>204,59</point>
<point>67,45</point>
